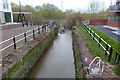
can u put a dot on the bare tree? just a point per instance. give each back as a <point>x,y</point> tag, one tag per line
<point>96,6</point>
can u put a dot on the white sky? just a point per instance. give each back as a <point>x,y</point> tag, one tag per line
<point>67,4</point>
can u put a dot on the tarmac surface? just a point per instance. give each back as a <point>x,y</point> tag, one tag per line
<point>108,31</point>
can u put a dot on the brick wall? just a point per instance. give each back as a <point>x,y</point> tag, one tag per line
<point>10,26</point>
<point>113,23</point>
<point>98,21</point>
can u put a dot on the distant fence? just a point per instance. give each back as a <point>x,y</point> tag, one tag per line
<point>23,36</point>
<point>109,50</point>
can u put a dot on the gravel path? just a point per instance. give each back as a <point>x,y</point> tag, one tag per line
<point>107,31</point>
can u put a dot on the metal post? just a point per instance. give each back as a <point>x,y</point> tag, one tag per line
<point>90,32</point>
<point>53,23</point>
<point>43,28</point>
<point>48,25</point>
<point>14,42</point>
<point>116,56</point>
<point>87,28</point>
<point>33,33</point>
<point>99,41</point>
<point>25,37</point>
<point>118,59</point>
<point>38,30</point>
<point>106,49</point>
<point>84,27</point>
<point>93,36</point>
<point>110,55</point>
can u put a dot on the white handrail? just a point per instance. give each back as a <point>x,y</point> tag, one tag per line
<point>6,47</point>
<point>97,35</point>
<point>29,35</point>
<point>21,38</point>
<point>104,41</point>
<point>19,35</point>
<point>6,40</point>
<point>29,31</point>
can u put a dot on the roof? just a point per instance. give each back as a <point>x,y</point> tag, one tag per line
<point>22,12</point>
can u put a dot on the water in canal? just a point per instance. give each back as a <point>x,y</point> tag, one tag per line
<point>58,61</point>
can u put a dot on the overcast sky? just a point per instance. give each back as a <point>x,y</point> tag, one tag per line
<point>67,4</point>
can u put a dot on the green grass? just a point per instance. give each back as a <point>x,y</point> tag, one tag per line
<point>117,71</point>
<point>94,47</point>
<point>78,65</point>
<point>108,39</point>
<point>92,44</point>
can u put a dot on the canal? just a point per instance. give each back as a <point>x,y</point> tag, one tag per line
<point>56,62</point>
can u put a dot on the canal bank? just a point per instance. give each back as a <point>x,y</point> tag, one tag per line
<point>34,49</point>
<point>58,61</point>
<point>79,71</point>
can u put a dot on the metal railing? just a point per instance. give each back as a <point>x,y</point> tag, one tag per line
<point>23,36</point>
<point>109,50</point>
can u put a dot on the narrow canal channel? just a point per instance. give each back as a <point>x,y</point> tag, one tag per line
<point>58,61</point>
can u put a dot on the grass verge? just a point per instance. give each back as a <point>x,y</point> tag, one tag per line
<point>94,47</point>
<point>78,65</point>
<point>108,39</point>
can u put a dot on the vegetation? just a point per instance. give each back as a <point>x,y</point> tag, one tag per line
<point>95,49</point>
<point>92,45</point>
<point>39,13</point>
<point>77,61</point>
<point>48,12</point>
<point>73,19</point>
<point>117,71</point>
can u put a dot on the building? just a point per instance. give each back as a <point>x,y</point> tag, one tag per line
<point>114,15</point>
<point>5,12</point>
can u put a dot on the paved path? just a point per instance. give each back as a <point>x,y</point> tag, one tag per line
<point>107,31</point>
<point>6,34</point>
